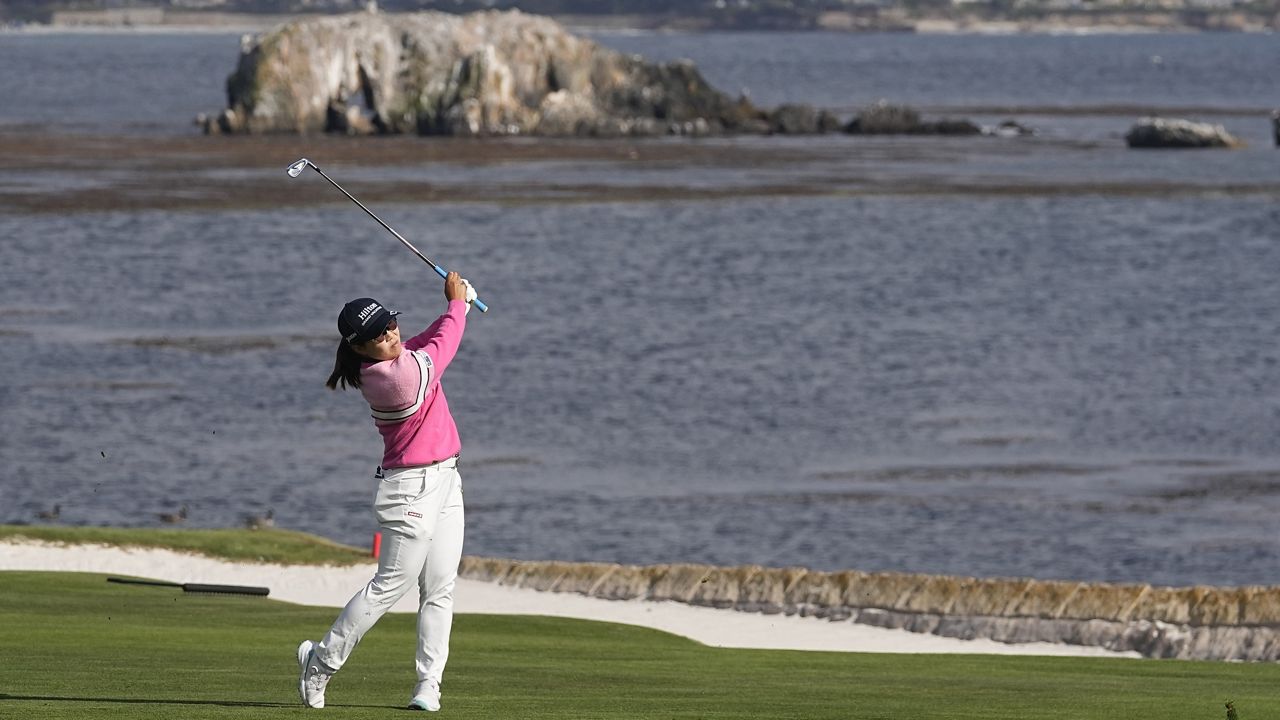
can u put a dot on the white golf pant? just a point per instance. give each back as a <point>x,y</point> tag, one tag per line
<point>419,510</point>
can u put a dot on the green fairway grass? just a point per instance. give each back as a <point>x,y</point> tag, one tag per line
<point>269,545</point>
<point>75,646</point>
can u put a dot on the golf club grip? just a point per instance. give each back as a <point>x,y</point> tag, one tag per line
<point>477,302</point>
<point>226,589</point>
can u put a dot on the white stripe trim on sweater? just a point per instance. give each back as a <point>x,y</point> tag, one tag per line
<point>424,379</point>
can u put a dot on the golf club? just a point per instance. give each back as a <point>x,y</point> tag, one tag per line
<point>296,169</point>
<point>196,587</point>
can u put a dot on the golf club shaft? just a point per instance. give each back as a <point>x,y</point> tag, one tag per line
<point>439,270</point>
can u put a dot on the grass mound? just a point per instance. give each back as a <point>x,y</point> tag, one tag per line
<point>75,646</point>
<point>285,547</point>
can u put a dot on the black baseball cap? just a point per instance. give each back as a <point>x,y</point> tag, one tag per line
<point>363,319</point>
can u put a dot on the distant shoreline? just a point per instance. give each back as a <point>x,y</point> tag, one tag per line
<point>161,20</point>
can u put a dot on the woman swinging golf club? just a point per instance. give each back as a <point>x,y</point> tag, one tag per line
<point>419,498</point>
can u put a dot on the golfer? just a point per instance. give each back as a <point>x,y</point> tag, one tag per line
<point>418,502</point>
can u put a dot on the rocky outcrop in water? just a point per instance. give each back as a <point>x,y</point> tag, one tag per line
<point>1206,623</point>
<point>885,119</point>
<point>496,73</point>
<point>489,73</point>
<point>1154,132</point>
<point>797,119</point>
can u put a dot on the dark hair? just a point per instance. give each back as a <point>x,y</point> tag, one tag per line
<point>346,368</point>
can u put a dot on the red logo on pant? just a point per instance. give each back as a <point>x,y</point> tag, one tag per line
<point>411,513</point>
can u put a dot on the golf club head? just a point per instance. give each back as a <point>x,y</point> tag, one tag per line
<point>296,169</point>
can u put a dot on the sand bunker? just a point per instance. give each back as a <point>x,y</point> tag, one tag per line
<point>333,586</point>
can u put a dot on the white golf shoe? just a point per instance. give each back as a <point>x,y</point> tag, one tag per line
<point>314,676</point>
<point>426,696</point>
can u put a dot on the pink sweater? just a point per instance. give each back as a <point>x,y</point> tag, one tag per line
<point>405,396</point>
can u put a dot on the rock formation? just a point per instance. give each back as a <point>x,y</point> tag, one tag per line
<point>802,120</point>
<point>488,73</point>
<point>495,73</point>
<point>1010,128</point>
<point>885,119</point>
<point>1154,132</point>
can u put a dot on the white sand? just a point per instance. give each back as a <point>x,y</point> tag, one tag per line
<point>333,586</point>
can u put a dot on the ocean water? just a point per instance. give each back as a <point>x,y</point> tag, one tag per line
<point>991,377</point>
